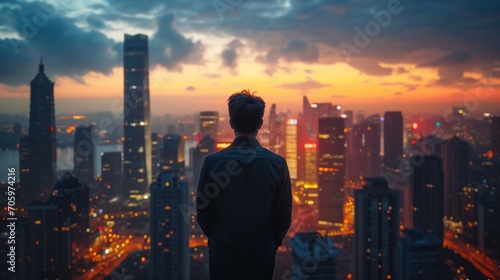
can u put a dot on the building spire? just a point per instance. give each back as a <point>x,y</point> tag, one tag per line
<point>40,67</point>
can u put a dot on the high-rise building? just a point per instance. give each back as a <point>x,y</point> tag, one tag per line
<point>419,256</point>
<point>376,230</point>
<point>24,168</point>
<point>169,228</point>
<point>209,124</point>
<point>366,150</point>
<point>60,230</point>
<point>111,173</point>
<point>205,148</point>
<point>393,140</point>
<point>42,137</point>
<point>331,171</point>
<point>313,256</point>
<point>170,151</point>
<point>83,154</point>
<point>136,124</point>
<point>456,173</point>
<point>495,136</point>
<point>155,154</point>
<point>291,147</point>
<point>276,137</point>
<point>426,184</point>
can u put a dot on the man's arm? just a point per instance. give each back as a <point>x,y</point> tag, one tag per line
<point>205,206</point>
<point>283,207</point>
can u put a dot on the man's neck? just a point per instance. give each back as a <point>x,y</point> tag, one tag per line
<point>242,134</point>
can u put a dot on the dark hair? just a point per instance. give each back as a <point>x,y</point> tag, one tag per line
<point>246,111</point>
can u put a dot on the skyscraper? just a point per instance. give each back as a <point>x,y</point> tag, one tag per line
<point>276,137</point>
<point>495,136</point>
<point>209,124</point>
<point>60,230</point>
<point>170,153</point>
<point>136,124</point>
<point>291,147</point>
<point>426,183</point>
<point>376,230</point>
<point>169,228</point>
<point>83,153</point>
<point>393,140</point>
<point>331,171</point>
<point>366,150</point>
<point>313,256</point>
<point>419,256</point>
<point>111,173</point>
<point>42,137</point>
<point>455,157</point>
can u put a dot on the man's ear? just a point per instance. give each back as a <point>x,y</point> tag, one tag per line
<point>231,123</point>
<point>261,122</point>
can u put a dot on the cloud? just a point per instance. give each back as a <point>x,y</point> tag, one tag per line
<point>170,48</point>
<point>190,88</point>
<point>230,54</point>
<point>398,93</point>
<point>338,96</point>
<point>294,50</point>
<point>452,58</point>
<point>212,76</point>
<point>304,86</point>
<point>64,46</point>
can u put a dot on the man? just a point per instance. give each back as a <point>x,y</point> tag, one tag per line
<point>244,199</point>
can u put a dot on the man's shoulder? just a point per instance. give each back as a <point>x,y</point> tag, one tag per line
<point>233,152</point>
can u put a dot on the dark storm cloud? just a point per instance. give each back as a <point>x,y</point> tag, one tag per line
<point>95,22</point>
<point>65,47</point>
<point>230,54</point>
<point>452,58</point>
<point>169,47</point>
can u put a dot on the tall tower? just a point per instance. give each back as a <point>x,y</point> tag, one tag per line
<point>136,124</point>
<point>291,147</point>
<point>276,139</point>
<point>83,153</point>
<point>209,124</point>
<point>331,171</point>
<point>455,156</point>
<point>111,173</point>
<point>42,137</point>
<point>426,183</point>
<point>169,227</point>
<point>495,136</point>
<point>393,140</point>
<point>376,230</point>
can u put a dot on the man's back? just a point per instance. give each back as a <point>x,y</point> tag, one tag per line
<point>244,207</point>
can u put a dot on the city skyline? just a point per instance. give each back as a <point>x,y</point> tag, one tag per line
<point>189,61</point>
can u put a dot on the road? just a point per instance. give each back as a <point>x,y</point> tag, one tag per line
<point>485,265</point>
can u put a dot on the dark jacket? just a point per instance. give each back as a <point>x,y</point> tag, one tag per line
<point>244,207</point>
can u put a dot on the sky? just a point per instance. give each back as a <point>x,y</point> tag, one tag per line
<point>418,56</point>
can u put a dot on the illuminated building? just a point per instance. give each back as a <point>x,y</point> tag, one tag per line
<point>60,230</point>
<point>209,124</point>
<point>111,173</point>
<point>169,228</point>
<point>376,230</point>
<point>331,170</point>
<point>222,145</point>
<point>155,154</point>
<point>419,255</point>
<point>291,147</point>
<point>366,150</point>
<point>42,137</point>
<point>393,140</point>
<point>310,248</point>
<point>456,173</point>
<point>426,183</point>
<point>24,166</point>
<point>276,137</point>
<point>83,154</point>
<point>136,124</point>
<point>205,148</point>
<point>495,136</point>
<point>170,152</point>
<point>310,187</point>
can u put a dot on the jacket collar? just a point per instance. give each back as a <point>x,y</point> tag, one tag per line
<point>245,141</point>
